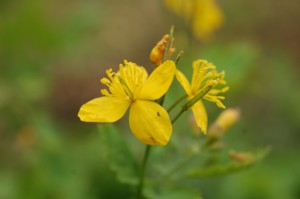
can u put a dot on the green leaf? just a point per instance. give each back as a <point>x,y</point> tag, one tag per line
<point>232,166</point>
<point>119,157</point>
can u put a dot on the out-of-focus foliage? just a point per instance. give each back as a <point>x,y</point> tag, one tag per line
<point>52,55</point>
<point>119,157</point>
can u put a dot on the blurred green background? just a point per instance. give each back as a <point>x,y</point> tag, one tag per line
<point>53,53</point>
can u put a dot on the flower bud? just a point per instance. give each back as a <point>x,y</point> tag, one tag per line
<point>157,53</point>
<point>241,156</point>
<point>227,118</point>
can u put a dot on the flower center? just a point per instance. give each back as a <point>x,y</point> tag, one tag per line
<point>126,82</point>
<point>126,88</point>
<point>204,75</point>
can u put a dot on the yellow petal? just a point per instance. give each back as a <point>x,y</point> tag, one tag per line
<point>200,115</point>
<point>184,82</point>
<point>158,82</point>
<point>150,122</point>
<point>103,109</point>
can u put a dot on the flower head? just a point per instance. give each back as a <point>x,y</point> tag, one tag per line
<point>204,16</point>
<point>208,17</point>
<point>204,75</point>
<point>131,86</point>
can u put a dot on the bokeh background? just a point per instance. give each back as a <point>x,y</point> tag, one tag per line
<point>53,53</point>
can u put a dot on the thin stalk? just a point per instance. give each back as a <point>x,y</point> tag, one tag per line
<point>198,97</point>
<point>178,166</point>
<point>176,103</point>
<point>178,57</point>
<point>168,45</point>
<point>191,102</point>
<point>178,115</point>
<point>181,164</point>
<point>143,168</point>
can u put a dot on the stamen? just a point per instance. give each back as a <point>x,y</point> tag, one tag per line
<point>105,81</point>
<point>105,92</point>
<point>126,88</point>
<point>125,82</point>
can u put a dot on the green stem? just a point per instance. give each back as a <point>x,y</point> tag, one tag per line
<point>198,97</point>
<point>168,45</point>
<point>143,168</point>
<point>178,115</point>
<point>191,102</point>
<point>181,164</point>
<point>178,57</point>
<point>176,103</point>
<point>178,166</point>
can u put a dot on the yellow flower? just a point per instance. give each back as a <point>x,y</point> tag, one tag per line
<point>204,74</point>
<point>131,86</point>
<point>182,8</point>
<point>207,18</point>
<point>204,16</point>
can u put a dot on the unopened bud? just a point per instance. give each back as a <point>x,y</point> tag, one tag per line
<point>241,156</point>
<point>227,118</point>
<point>157,53</point>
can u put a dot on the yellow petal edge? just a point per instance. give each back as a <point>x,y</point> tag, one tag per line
<point>103,109</point>
<point>158,82</point>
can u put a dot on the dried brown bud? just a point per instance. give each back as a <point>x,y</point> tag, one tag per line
<point>157,53</point>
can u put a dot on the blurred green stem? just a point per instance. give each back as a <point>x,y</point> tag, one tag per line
<point>176,103</point>
<point>184,162</point>
<point>191,102</point>
<point>178,166</point>
<point>142,174</point>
